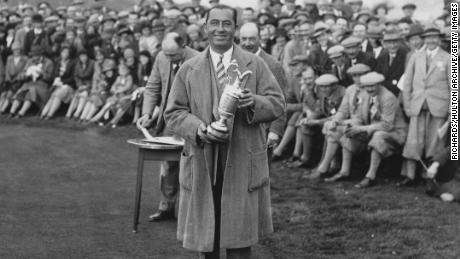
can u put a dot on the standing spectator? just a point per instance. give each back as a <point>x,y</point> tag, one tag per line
<point>355,54</point>
<point>158,87</point>
<point>391,63</point>
<point>222,210</point>
<point>426,93</point>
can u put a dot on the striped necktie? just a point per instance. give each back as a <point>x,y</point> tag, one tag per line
<point>221,75</point>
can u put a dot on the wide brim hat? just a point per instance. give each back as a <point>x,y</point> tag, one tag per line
<point>391,35</point>
<point>415,30</point>
<point>351,42</point>
<point>431,31</point>
<point>409,5</point>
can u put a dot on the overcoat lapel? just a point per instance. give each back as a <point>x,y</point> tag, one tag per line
<point>433,63</point>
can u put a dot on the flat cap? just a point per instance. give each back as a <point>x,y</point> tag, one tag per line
<point>335,51</point>
<point>431,31</point>
<point>319,29</point>
<point>52,18</point>
<point>391,35</point>
<point>108,64</point>
<point>374,33</point>
<point>415,30</point>
<point>284,22</point>
<point>326,80</point>
<point>172,13</point>
<point>351,42</point>
<point>298,59</point>
<point>358,69</point>
<point>372,78</point>
<point>129,53</point>
<point>409,5</point>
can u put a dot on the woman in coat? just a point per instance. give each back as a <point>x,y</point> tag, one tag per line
<point>63,84</point>
<point>13,76</point>
<point>38,78</point>
<point>83,73</point>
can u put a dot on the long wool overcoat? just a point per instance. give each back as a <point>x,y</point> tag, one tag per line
<point>246,211</point>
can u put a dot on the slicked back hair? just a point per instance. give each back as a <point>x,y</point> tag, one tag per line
<point>222,7</point>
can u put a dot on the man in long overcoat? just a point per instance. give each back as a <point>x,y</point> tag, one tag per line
<point>165,68</point>
<point>224,182</point>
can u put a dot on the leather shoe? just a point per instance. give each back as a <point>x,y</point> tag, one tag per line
<point>365,183</point>
<point>407,182</point>
<point>335,178</point>
<point>162,215</point>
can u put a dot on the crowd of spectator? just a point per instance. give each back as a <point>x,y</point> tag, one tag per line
<point>352,78</point>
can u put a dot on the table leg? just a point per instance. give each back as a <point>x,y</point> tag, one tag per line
<point>137,201</point>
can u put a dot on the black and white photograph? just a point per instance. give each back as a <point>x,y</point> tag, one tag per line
<point>238,129</point>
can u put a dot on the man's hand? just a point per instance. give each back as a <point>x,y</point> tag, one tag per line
<point>432,170</point>
<point>202,134</point>
<point>144,121</point>
<point>308,122</point>
<point>273,139</point>
<point>246,99</point>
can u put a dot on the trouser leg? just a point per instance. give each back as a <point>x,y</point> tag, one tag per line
<point>169,184</point>
<point>239,253</point>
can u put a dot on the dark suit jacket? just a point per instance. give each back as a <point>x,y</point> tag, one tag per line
<point>66,77</point>
<point>41,39</point>
<point>346,79</point>
<point>277,126</point>
<point>319,59</point>
<point>365,58</point>
<point>84,76</point>
<point>394,72</point>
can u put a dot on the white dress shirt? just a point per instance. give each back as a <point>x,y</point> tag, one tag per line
<point>215,57</point>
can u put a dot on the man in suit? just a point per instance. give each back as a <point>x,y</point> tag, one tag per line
<point>426,93</point>
<point>249,40</point>
<point>20,35</point>
<point>224,182</point>
<point>391,63</point>
<point>37,36</point>
<point>340,64</point>
<point>318,55</point>
<point>379,126</point>
<point>353,50</point>
<point>166,65</point>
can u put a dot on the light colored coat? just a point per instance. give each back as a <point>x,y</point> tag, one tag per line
<point>432,85</point>
<point>246,211</point>
<point>156,89</point>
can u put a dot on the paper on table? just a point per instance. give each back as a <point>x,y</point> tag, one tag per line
<point>162,140</point>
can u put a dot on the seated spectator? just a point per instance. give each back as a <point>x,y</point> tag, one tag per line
<point>38,77</point>
<point>380,127</point>
<point>346,115</point>
<point>143,73</point>
<point>13,76</point>
<point>340,64</point>
<point>83,74</point>
<point>104,77</point>
<point>294,107</point>
<point>121,97</point>
<point>63,84</point>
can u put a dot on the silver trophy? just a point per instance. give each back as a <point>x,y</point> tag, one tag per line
<point>228,102</point>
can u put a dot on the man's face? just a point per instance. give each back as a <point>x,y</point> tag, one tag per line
<point>308,78</point>
<point>173,53</point>
<point>356,7</point>
<point>247,16</point>
<point>409,12</point>
<point>392,46</point>
<point>359,31</point>
<point>249,40</point>
<point>416,42</point>
<point>353,51</point>
<point>298,69</point>
<point>38,25</point>
<point>281,41</point>
<point>220,29</point>
<point>432,42</point>
<point>357,79</point>
<point>404,28</point>
<point>27,22</point>
<point>323,38</point>
<point>276,9</point>
<point>304,32</point>
<point>290,5</point>
<point>338,61</point>
<point>342,23</point>
<point>372,89</point>
<point>326,90</point>
<point>264,35</point>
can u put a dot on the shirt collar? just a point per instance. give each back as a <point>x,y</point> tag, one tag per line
<point>215,57</point>
<point>258,51</point>
<point>432,53</point>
